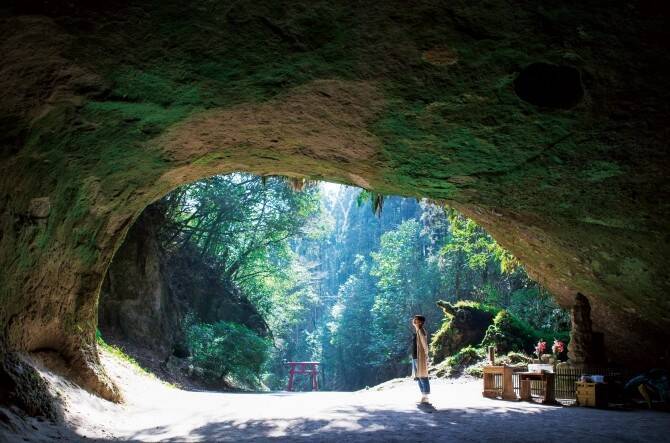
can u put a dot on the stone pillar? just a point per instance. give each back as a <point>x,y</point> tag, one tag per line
<point>580,349</point>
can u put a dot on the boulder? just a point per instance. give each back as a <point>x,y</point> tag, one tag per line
<point>465,324</point>
<point>508,333</point>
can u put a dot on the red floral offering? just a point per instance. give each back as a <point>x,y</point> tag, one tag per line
<point>558,347</point>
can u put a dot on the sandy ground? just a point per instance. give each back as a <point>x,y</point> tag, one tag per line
<point>157,412</point>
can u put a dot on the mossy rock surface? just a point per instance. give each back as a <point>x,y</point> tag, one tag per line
<point>465,358</point>
<point>464,325</point>
<point>110,105</point>
<point>510,334</point>
<point>470,324</point>
<point>23,386</point>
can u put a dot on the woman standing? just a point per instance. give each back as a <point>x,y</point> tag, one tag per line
<point>420,356</point>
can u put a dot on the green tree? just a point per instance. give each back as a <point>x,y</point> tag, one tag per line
<point>241,224</point>
<point>225,349</point>
<point>408,283</point>
<point>338,282</point>
<point>350,328</point>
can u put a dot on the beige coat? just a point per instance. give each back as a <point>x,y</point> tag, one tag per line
<point>421,356</point>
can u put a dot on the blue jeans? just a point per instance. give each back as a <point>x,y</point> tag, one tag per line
<point>424,384</point>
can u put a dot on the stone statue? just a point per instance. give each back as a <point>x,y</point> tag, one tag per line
<point>580,349</point>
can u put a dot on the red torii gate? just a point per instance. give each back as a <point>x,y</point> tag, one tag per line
<point>305,367</point>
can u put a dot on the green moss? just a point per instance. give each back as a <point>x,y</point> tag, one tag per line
<point>472,324</point>
<point>120,354</point>
<point>97,149</point>
<point>513,359</point>
<point>471,304</point>
<point>476,370</point>
<point>463,134</point>
<point>466,356</point>
<point>508,333</point>
<point>25,260</point>
<point>220,55</point>
<point>443,335</point>
<point>440,122</point>
<point>602,170</point>
<point>455,364</point>
<point>464,324</point>
<point>565,173</point>
<point>208,159</point>
<point>133,85</point>
<point>87,160</point>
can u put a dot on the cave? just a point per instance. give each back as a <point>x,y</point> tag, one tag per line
<point>107,109</point>
<point>550,86</point>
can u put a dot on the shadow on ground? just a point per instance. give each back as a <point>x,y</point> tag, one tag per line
<point>508,422</point>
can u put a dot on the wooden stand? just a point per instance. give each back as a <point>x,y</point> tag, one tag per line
<point>524,390</point>
<point>547,380</point>
<point>503,389</point>
<point>591,394</point>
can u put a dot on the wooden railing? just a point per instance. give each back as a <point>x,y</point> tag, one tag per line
<point>565,378</point>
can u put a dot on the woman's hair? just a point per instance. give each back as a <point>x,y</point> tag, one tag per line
<point>421,319</point>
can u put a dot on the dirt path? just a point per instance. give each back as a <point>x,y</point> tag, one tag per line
<point>156,412</point>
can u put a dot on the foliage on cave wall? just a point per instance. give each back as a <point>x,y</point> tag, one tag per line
<point>464,324</point>
<point>470,325</point>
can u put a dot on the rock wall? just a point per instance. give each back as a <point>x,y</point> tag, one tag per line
<point>107,107</point>
<point>148,292</point>
<point>464,324</point>
<point>468,323</point>
<point>136,303</point>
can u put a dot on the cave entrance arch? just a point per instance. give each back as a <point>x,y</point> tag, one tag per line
<point>318,131</point>
<point>174,265</point>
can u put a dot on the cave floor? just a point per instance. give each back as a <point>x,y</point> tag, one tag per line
<point>157,412</point>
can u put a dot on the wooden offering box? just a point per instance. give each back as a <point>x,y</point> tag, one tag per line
<point>591,394</point>
<point>498,382</point>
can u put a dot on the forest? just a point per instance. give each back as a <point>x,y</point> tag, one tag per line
<point>336,273</point>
